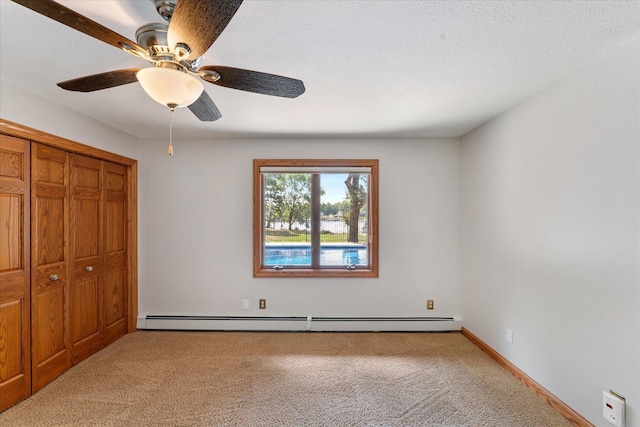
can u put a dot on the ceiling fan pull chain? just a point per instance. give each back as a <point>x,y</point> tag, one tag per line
<point>171,110</point>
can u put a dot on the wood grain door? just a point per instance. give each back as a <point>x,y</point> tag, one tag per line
<point>49,264</point>
<point>116,273</point>
<point>15,327</point>
<point>87,257</point>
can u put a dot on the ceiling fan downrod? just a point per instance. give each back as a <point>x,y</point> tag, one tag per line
<point>165,9</point>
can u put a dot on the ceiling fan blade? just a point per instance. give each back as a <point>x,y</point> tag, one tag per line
<point>101,81</point>
<point>198,23</point>
<point>254,81</point>
<point>205,109</point>
<point>68,17</point>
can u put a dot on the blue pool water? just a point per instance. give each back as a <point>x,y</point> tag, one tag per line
<point>329,255</point>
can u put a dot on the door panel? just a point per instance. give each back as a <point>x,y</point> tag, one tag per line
<point>86,241</point>
<point>50,233</point>
<point>52,166</point>
<point>87,257</point>
<point>11,219</point>
<point>50,264</point>
<point>15,298</point>
<point>11,363</point>
<point>86,297</point>
<point>115,300</point>
<point>116,289</point>
<point>116,232</point>
<point>49,305</point>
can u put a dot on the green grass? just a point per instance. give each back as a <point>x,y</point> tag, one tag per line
<point>277,236</point>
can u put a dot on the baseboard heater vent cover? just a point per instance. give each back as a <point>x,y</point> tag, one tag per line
<point>299,323</point>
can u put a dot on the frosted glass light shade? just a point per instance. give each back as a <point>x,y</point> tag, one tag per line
<point>168,86</point>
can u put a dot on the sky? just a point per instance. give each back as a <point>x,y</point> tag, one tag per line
<point>333,186</point>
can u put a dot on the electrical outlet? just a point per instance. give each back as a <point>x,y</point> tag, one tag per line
<point>509,336</point>
<point>262,304</point>
<point>613,408</point>
<point>245,304</point>
<point>429,304</point>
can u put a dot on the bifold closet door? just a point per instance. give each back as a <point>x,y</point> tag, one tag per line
<point>50,344</point>
<point>86,287</point>
<point>116,272</point>
<point>15,328</point>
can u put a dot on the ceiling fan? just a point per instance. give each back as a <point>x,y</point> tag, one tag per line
<point>175,51</point>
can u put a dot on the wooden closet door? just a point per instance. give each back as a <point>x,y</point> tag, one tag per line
<point>15,327</point>
<point>115,276</point>
<point>49,264</point>
<point>87,257</point>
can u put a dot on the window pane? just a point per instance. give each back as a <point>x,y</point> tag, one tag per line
<point>287,219</point>
<point>315,218</point>
<point>343,222</point>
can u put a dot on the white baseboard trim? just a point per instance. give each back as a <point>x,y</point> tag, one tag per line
<point>300,323</point>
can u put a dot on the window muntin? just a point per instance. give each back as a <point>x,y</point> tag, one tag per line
<point>303,226</point>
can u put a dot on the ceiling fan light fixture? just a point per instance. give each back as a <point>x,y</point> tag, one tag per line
<point>168,86</point>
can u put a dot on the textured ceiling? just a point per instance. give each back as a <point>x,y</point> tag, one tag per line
<point>371,68</point>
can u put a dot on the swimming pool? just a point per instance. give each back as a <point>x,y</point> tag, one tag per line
<point>329,255</point>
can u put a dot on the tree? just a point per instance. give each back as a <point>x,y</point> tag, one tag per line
<point>287,197</point>
<point>273,198</point>
<point>297,198</point>
<point>357,196</point>
<point>329,208</point>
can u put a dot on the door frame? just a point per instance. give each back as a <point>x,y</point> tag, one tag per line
<point>34,135</point>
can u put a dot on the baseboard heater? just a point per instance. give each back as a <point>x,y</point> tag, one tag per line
<point>300,323</point>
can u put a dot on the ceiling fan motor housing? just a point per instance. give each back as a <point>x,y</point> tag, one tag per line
<point>153,37</point>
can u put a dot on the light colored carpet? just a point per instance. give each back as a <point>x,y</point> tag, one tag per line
<point>162,378</point>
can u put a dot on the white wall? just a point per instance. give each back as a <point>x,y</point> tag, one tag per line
<point>196,230</point>
<point>550,235</point>
<point>28,109</point>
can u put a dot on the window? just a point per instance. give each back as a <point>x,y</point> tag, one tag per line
<point>315,218</point>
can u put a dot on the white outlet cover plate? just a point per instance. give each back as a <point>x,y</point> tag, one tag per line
<point>613,409</point>
<point>509,336</point>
